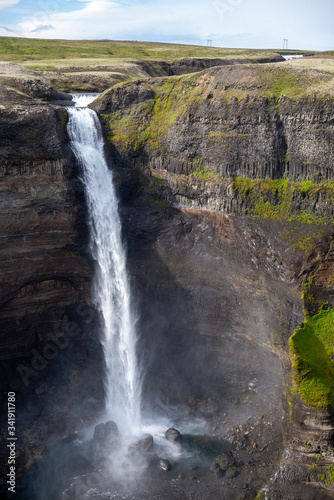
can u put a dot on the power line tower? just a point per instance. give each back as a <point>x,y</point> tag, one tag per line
<point>209,43</point>
<point>285,43</point>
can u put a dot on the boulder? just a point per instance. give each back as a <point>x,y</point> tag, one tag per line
<point>105,439</point>
<point>218,472</point>
<point>173,435</point>
<point>107,432</point>
<point>231,473</point>
<point>222,464</point>
<point>152,459</point>
<point>164,464</point>
<point>224,461</point>
<point>142,445</point>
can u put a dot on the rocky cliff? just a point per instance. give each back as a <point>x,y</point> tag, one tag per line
<point>252,121</point>
<point>45,274</point>
<point>254,141</point>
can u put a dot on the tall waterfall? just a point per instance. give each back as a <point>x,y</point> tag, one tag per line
<point>111,285</point>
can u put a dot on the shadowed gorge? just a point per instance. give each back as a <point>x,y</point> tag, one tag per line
<point>225,187</point>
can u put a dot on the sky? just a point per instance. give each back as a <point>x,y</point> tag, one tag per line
<point>307,24</point>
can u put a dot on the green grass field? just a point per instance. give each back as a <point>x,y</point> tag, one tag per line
<point>40,54</point>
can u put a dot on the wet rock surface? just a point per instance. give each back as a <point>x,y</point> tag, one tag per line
<point>164,464</point>
<point>173,435</point>
<point>143,445</point>
<point>217,274</point>
<point>105,440</point>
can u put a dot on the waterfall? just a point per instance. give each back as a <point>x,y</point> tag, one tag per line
<point>111,292</point>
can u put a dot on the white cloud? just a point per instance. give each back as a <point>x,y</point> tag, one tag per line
<point>229,23</point>
<point>109,19</point>
<point>7,3</point>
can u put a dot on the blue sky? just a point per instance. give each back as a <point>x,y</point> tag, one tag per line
<point>307,24</point>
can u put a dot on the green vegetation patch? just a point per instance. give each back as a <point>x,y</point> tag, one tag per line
<point>148,122</point>
<point>223,135</point>
<point>312,351</point>
<point>206,175</point>
<point>276,200</point>
<point>277,80</point>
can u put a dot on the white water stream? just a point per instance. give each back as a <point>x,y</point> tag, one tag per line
<point>111,284</point>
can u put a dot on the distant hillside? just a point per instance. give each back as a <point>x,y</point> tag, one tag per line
<point>39,52</point>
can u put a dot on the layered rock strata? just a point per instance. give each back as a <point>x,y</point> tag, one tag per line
<point>241,141</point>
<point>46,340</point>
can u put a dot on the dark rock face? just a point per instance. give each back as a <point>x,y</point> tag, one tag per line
<point>193,64</point>
<point>42,224</point>
<point>211,298</point>
<point>307,456</point>
<point>226,299</point>
<point>252,135</point>
<point>158,68</point>
<point>135,94</point>
<point>47,339</point>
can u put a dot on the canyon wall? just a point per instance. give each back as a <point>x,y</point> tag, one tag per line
<point>255,144</point>
<point>45,301</point>
<point>231,121</point>
<point>226,209</point>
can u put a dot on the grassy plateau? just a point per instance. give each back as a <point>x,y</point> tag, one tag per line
<point>39,52</point>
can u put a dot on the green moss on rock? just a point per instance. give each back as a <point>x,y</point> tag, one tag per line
<point>312,351</point>
<point>148,122</point>
<point>280,199</point>
<point>64,118</point>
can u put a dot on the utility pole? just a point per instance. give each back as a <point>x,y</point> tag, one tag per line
<point>209,43</point>
<point>285,43</point>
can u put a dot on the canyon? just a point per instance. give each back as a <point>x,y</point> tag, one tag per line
<point>226,201</point>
